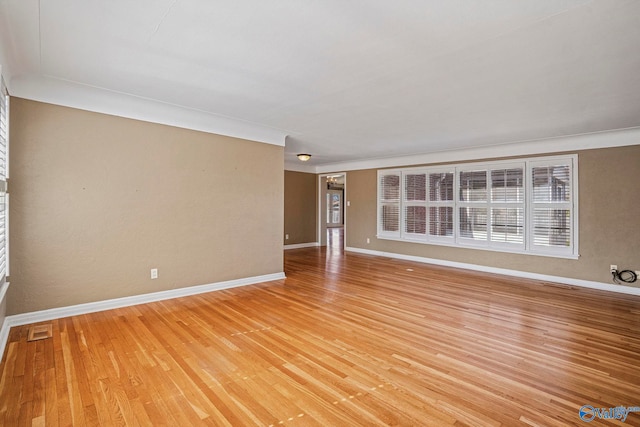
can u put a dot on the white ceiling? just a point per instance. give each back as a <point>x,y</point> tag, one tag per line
<point>342,80</point>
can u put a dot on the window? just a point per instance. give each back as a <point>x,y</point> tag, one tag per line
<point>551,206</point>
<point>522,206</point>
<point>4,197</point>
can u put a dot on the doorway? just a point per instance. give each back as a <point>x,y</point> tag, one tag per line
<point>332,213</point>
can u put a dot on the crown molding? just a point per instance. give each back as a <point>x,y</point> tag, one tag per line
<point>70,94</point>
<point>605,139</point>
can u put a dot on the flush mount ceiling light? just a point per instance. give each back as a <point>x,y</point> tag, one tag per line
<point>304,157</point>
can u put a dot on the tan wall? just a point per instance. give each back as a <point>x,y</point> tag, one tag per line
<point>300,207</point>
<point>3,312</point>
<point>609,223</point>
<point>97,201</point>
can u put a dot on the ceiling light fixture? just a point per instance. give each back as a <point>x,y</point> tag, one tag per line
<point>304,157</point>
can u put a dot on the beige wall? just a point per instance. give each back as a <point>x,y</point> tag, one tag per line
<point>3,312</point>
<point>609,222</point>
<point>97,201</point>
<point>300,207</point>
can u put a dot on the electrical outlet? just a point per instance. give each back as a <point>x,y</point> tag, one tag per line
<point>613,268</point>
<point>368,240</point>
<point>286,237</point>
<point>154,273</point>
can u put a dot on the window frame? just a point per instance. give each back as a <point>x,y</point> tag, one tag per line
<point>525,206</point>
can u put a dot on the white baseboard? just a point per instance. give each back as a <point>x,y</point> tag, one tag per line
<point>516,273</point>
<point>92,307</point>
<point>301,245</point>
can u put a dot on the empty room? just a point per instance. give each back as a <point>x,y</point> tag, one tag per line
<point>320,213</point>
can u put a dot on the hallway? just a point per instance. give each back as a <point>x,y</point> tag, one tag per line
<point>335,239</point>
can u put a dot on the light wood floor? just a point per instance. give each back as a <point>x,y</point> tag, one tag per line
<point>345,340</point>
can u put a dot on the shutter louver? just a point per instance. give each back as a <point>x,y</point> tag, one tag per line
<point>473,186</point>
<point>507,225</point>
<point>552,206</point>
<point>389,204</point>
<point>551,227</point>
<point>415,210</point>
<point>473,210</point>
<point>441,203</point>
<point>507,206</point>
<point>4,135</point>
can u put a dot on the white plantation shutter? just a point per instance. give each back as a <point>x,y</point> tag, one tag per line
<point>389,204</point>
<point>472,207</point>
<point>441,205</point>
<point>4,197</point>
<point>519,206</point>
<point>491,207</point>
<point>552,206</point>
<point>3,238</point>
<point>4,132</point>
<point>507,206</point>
<point>414,207</point>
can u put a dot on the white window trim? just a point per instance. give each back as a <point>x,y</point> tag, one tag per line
<point>570,252</point>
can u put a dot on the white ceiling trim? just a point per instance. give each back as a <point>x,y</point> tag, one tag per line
<point>356,85</point>
<point>608,139</point>
<point>71,94</point>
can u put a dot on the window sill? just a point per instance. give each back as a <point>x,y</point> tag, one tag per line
<point>482,248</point>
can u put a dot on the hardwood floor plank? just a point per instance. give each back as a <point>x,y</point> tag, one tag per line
<point>51,397</point>
<point>346,339</point>
<point>62,394</point>
<point>25,414</point>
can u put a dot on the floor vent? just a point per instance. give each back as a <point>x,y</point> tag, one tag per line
<point>39,332</point>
